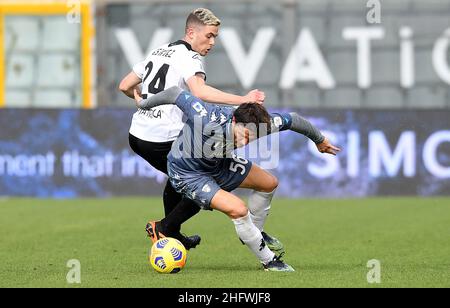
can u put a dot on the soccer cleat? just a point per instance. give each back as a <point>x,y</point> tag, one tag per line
<point>273,244</point>
<point>188,242</point>
<point>277,265</point>
<point>155,232</point>
<point>153,229</point>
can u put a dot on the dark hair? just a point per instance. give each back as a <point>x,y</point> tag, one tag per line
<point>253,113</point>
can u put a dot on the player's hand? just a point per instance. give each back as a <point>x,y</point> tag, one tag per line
<point>137,96</point>
<point>327,147</point>
<point>255,96</point>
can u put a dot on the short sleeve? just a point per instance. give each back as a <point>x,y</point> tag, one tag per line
<point>139,69</point>
<point>191,66</point>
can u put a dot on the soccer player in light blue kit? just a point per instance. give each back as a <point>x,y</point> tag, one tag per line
<point>202,167</point>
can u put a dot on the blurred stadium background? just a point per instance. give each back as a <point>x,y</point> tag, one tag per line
<point>380,90</point>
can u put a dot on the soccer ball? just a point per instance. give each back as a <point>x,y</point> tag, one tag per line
<point>168,256</point>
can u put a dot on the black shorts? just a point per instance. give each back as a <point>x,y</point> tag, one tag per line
<point>155,153</point>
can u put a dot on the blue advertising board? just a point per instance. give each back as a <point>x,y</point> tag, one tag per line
<point>76,153</point>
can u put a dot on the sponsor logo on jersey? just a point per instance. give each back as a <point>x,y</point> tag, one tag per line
<point>200,109</point>
<point>153,113</point>
<point>277,121</point>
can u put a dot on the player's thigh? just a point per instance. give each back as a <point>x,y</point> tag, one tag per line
<point>229,204</point>
<point>154,153</point>
<point>260,180</point>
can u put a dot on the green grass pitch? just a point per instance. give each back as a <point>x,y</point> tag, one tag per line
<point>328,242</point>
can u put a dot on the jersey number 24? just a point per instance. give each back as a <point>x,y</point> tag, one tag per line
<point>158,82</point>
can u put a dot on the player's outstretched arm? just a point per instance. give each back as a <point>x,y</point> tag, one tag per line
<point>166,97</point>
<point>200,89</point>
<point>303,126</point>
<point>326,147</point>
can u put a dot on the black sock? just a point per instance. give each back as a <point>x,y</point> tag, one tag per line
<point>170,198</point>
<point>181,213</point>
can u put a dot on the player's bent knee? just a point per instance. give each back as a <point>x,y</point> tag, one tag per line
<point>271,184</point>
<point>274,183</point>
<point>238,212</point>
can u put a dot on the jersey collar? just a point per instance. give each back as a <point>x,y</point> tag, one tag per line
<point>181,42</point>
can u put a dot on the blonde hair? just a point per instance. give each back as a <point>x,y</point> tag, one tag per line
<point>202,16</point>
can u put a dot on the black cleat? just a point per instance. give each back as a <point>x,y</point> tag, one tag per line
<point>188,242</point>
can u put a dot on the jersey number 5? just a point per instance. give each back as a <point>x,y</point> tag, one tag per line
<point>159,81</point>
<point>239,163</point>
